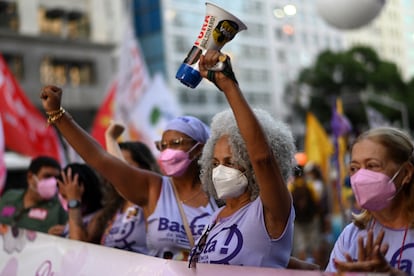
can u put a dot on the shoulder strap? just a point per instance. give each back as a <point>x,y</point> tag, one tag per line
<point>183,217</point>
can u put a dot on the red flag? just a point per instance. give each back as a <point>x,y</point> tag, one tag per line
<point>25,129</point>
<point>104,116</point>
<point>3,170</point>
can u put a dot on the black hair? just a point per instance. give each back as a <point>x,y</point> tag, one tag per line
<point>112,200</point>
<point>141,154</point>
<point>43,161</point>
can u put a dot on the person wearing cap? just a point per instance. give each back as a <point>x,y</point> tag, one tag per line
<point>175,206</point>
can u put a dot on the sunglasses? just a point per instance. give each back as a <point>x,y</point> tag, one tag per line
<point>173,143</point>
<point>196,251</point>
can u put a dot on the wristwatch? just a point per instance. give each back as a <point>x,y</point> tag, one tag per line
<point>74,203</point>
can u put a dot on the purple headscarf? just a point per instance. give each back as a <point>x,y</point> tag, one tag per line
<point>190,126</point>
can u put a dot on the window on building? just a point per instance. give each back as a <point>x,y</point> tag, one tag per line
<point>254,75</point>
<point>305,38</point>
<point>181,44</point>
<point>67,72</point>
<point>261,99</point>
<point>60,22</point>
<point>189,97</point>
<point>281,56</point>
<point>316,40</point>
<point>256,30</point>
<point>253,7</point>
<point>182,96</point>
<point>9,18</point>
<point>256,52</point>
<point>278,34</point>
<point>220,98</point>
<point>15,64</point>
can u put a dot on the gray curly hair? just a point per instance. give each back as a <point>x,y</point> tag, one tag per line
<point>279,136</point>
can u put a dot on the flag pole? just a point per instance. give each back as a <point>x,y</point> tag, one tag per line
<point>340,126</point>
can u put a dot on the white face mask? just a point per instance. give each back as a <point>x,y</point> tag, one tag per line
<point>228,182</point>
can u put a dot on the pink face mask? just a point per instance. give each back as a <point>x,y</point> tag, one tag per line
<point>175,162</point>
<point>373,190</point>
<point>46,187</point>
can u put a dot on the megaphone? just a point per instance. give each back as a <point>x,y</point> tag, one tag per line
<point>219,27</point>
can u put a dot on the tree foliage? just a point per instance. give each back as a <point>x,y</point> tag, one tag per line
<point>347,74</point>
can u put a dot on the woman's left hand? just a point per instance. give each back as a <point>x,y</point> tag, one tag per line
<point>70,186</point>
<point>370,256</point>
<point>56,230</point>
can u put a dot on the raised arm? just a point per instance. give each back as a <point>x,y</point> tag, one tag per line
<point>273,190</point>
<point>127,179</point>
<point>112,133</point>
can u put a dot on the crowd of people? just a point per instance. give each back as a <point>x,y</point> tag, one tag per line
<point>229,193</point>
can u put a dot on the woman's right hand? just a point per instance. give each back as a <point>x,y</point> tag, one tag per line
<point>51,97</point>
<point>221,80</point>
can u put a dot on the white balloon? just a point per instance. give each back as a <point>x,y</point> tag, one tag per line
<point>349,14</point>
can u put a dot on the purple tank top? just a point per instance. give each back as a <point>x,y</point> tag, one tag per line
<point>242,239</point>
<point>166,236</point>
<point>128,231</point>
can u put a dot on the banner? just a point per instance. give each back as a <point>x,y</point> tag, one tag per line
<point>104,116</point>
<point>25,129</point>
<point>157,107</point>
<point>143,105</point>
<point>3,170</point>
<point>318,146</point>
<point>133,80</point>
<point>33,253</point>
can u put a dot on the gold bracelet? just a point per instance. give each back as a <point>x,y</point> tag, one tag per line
<point>54,112</point>
<point>53,116</point>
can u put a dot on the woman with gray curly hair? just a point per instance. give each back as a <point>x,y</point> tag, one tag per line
<point>224,124</point>
<point>246,162</point>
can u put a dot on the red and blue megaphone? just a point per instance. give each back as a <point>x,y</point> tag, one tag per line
<point>219,27</point>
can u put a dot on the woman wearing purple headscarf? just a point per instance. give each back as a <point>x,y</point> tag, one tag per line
<point>175,206</point>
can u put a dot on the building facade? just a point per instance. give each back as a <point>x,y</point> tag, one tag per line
<point>67,43</point>
<point>282,37</point>
<point>391,34</point>
<point>73,43</point>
